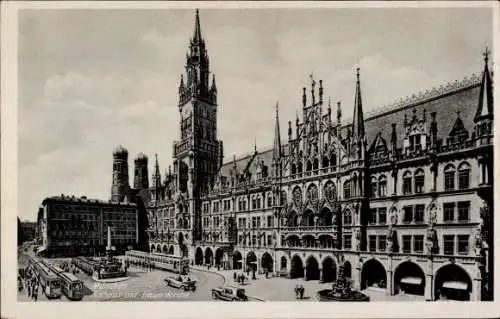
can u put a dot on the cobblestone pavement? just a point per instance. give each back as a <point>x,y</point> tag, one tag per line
<point>282,289</point>
<point>143,285</point>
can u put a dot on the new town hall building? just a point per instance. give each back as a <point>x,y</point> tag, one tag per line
<point>402,199</point>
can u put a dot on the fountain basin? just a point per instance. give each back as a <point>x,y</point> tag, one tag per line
<point>353,295</point>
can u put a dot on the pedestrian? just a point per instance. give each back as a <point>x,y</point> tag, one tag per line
<point>35,294</point>
<point>302,292</point>
<point>28,286</point>
<point>234,276</point>
<point>266,273</point>
<point>297,289</point>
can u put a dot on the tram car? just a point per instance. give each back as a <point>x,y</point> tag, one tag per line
<point>48,279</point>
<point>71,286</point>
<point>87,266</point>
<point>175,264</point>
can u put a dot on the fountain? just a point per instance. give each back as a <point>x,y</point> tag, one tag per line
<point>109,268</point>
<point>341,290</point>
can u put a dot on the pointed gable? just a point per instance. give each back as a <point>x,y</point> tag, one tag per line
<point>379,145</point>
<point>458,132</point>
<point>485,105</point>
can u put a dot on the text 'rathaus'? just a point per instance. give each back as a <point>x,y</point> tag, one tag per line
<point>404,197</point>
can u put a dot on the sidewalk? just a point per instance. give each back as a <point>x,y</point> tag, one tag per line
<point>272,288</point>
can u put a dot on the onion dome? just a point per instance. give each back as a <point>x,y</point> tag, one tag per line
<point>120,150</point>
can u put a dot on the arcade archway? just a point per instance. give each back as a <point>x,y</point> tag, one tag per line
<point>171,250</point>
<point>452,283</point>
<point>165,250</point>
<point>209,256</point>
<point>252,261</point>
<point>409,278</point>
<point>329,270</point>
<point>297,269</point>
<point>237,260</point>
<point>184,250</point>
<point>267,262</point>
<point>373,274</point>
<point>312,269</point>
<point>219,255</point>
<point>198,256</point>
<point>347,269</point>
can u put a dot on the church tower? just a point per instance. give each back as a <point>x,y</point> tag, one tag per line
<point>198,154</point>
<point>120,185</point>
<point>141,178</point>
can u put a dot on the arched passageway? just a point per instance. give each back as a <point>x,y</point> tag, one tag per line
<point>252,261</point>
<point>347,269</point>
<point>237,260</point>
<point>171,250</point>
<point>329,270</point>
<point>297,269</point>
<point>219,255</point>
<point>326,217</point>
<point>373,274</point>
<point>209,256</point>
<point>452,283</point>
<point>312,269</point>
<point>198,256</point>
<point>158,249</point>
<point>308,218</point>
<point>409,278</point>
<point>165,250</point>
<point>283,263</point>
<point>152,248</point>
<point>267,262</point>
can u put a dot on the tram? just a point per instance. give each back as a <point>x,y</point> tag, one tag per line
<point>71,286</point>
<point>48,279</point>
<point>170,263</point>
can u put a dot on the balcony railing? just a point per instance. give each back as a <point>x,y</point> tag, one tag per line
<point>302,229</point>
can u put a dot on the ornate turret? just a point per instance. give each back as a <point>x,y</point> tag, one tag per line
<point>277,144</point>
<point>484,112</point>
<point>358,139</point>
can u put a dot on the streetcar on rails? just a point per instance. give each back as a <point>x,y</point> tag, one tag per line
<point>48,279</point>
<point>175,264</point>
<point>71,286</point>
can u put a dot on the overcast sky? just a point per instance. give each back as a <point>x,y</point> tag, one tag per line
<point>92,79</point>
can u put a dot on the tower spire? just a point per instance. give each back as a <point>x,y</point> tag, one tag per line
<point>197,28</point>
<point>277,136</point>
<point>485,105</point>
<point>358,124</point>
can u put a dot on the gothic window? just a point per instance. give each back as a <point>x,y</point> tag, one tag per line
<point>347,217</point>
<point>347,189</point>
<point>330,192</point>
<point>297,195</point>
<point>308,166</point>
<point>299,168</point>
<point>315,164</point>
<point>269,200</point>
<point>294,169</point>
<point>407,181</point>
<point>312,193</point>
<point>283,198</point>
<point>463,176</point>
<point>333,160</point>
<point>374,187</point>
<point>382,186</point>
<point>419,181</point>
<point>449,177</point>
<point>325,162</point>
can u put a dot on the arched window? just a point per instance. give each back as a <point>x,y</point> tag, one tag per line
<point>315,164</point>
<point>449,177</point>
<point>374,187</point>
<point>269,200</point>
<point>419,181</point>
<point>299,168</point>
<point>325,162</point>
<point>347,189</point>
<point>464,176</point>
<point>407,181</point>
<point>297,195</point>
<point>312,193</point>
<point>294,169</point>
<point>308,166</point>
<point>330,192</point>
<point>382,186</point>
<point>333,160</point>
<point>283,198</point>
<point>347,217</point>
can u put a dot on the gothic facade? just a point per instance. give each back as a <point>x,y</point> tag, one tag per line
<point>403,199</point>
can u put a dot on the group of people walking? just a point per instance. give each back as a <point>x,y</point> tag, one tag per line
<point>26,280</point>
<point>299,291</point>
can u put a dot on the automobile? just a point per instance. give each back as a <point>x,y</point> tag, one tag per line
<point>182,282</point>
<point>229,293</point>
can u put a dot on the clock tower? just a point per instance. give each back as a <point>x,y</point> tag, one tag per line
<point>198,153</point>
